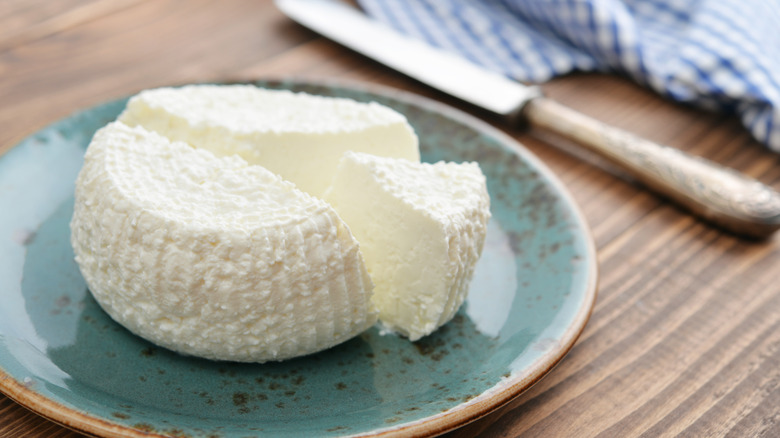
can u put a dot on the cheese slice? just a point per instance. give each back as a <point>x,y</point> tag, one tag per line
<point>421,229</point>
<point>211,256</point>
<point>300,137</point>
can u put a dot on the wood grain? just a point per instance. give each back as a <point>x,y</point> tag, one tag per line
<point>685,336</point>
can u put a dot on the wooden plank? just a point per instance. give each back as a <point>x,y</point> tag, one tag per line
<point>17,16</point>
<point>22,22</point>
<point>16,421</point>
<point>115,56</point>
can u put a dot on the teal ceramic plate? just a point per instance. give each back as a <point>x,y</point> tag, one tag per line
<point>62,357</point>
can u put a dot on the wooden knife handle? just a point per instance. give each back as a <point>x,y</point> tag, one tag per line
<point>721,195</point>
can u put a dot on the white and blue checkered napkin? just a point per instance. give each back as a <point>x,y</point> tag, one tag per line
<point>718,54</point>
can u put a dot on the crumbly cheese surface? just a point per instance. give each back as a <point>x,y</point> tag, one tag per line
<point>211,256</point>
<point>301,137</point>
<point>421,229</point>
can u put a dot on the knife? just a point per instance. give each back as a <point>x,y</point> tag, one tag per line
<point>718,194</point>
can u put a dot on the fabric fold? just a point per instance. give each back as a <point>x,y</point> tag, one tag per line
<point>721,55</point>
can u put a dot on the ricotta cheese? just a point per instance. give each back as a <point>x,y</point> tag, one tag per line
<point>212,256</point>
<point>300,137</point>
<point>421,229</point>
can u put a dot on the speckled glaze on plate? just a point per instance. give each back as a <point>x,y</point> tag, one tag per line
<point>63,357</point>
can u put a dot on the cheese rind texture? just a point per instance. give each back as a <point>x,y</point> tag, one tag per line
<point>211,256</point>
<point>421,229</point>
<point>298,136</point>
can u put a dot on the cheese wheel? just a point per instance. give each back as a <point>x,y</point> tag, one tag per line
<point>421,229</point>
<point>211,256</point>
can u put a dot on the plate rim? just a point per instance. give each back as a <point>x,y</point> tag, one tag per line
<point>488,401</point>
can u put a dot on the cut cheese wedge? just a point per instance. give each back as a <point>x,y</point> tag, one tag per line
<point>421,229</point>
<point>300,137</point>
<point>211,256</point>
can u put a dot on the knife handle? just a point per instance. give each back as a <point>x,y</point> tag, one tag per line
<point>721,195</point>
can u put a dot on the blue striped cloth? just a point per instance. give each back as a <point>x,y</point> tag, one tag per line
<point>716,54</point>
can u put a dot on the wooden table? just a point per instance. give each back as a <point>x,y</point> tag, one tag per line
<point>685,335</point>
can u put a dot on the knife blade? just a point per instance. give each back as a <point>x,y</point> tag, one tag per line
<point>721,195</point>
<point>443,70</point>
